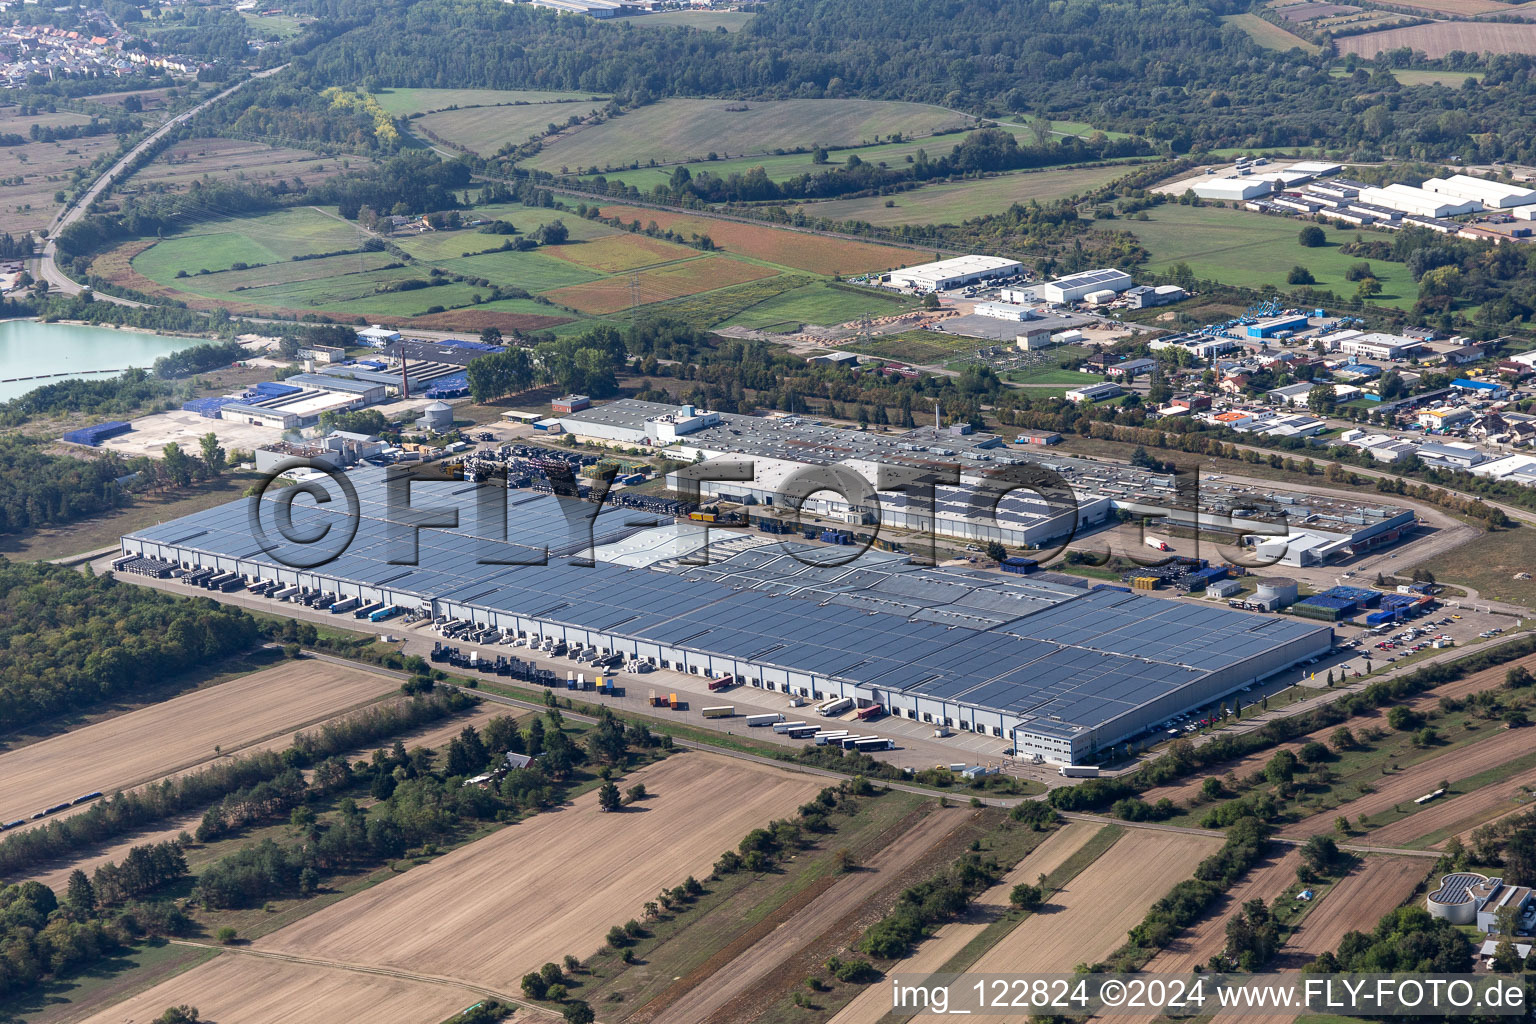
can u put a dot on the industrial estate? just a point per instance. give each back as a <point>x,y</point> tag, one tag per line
<point>643,512</point>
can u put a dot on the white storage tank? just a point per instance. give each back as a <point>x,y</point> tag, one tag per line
<point>1277,591</point>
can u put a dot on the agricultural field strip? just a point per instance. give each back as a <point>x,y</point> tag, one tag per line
<point>238,988</point>
<point>175,735</point>
<point>873,1004</point>
<point>1478,681</point>
<point>1100,906</point>
<point>581,872</point>
<point>846,896</point>
<point>1443,37</point>
<point>1356,903</point>
<point>1420,779</point>
<point>1448,813</point>
<point>55,876</point>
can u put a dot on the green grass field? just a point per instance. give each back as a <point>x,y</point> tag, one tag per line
<point>690,129</point>
<point>818,303</point>
<point>956,202</point>
<point>269,238</point>
<point>707,21</point>
<point>401,102</point>
<point>1489,564</point>
<point>485,130</point>
<point>792,165</point>
<point>1256,251</point>
<point>1267,35</point>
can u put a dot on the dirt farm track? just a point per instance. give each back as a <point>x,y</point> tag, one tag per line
<point>177,734</point>
<point>493,910</point>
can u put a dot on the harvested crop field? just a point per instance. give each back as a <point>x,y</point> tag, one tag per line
<point>554,884</point>
<point>1268,34</point>
<point>253,162</point>
<point>33,171</point>
<point>1459,813</point>
<point>174,735</point>
<point>1454,8</point>
<point>845,899</point>
<point>615,254</point>
<point>1090,918</point>
<point>485,130</point>
<point>1196,945</point>
<point>1405,786</point>
<point>872,1005</point>
<point>1184,789</point>
<point>797,249</point>
<point>242,989</point>
<point>1441,38</point>
<point>1356,903</point>
<point>673,281</point>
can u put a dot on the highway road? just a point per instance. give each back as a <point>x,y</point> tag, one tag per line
<point>47,263</point>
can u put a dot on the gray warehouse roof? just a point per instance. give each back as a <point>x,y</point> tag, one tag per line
<point>1025,647</point>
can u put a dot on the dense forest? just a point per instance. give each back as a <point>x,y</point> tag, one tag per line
<point>69,641</point>
<point>1174,74</point>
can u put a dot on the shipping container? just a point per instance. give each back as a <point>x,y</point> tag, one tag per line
<point>341,607</point>
<point>387,612</point>
<point>724,711</point>
<point>783,726</point>
<point>656,701</point>
<point>722,682</point>
<point>756,721</point>
<point>870,713</point>
<point>675,703</point>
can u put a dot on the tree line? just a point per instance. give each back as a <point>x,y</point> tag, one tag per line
<point>69,641</point>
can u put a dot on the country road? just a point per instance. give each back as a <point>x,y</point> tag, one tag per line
<point>47,262</point>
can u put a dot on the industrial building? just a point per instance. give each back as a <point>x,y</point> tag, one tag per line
<point>1465,897</point>
<point>1407,199</point>
<point>1374,345</point>
<point>1070,289</point>
<point>1233,189</point>
<point>1056,666</point>
<point>774,449</point>
<point>954,273</point>
<point>1004,311</point>
<point>1494,195</point>
<point>1094,392</point>
<point>377,336</point>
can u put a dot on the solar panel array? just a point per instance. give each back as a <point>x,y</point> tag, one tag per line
<point>1028,647</point>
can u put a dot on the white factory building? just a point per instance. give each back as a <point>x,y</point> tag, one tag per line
<point>1004,311</point>
<point>1418,201</point>
<point>954,273</point>
<point>1079,286</point>
<point>1234,189</point>
<point>1495,195</point>
<point>1374,345</point>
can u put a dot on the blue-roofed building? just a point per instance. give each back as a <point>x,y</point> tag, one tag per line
<point>1481,388</point>
<point>1045,664</point>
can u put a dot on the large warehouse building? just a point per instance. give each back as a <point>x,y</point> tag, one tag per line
<point>1407,199</point>
<point>1495,195</point>
<point>1061,668</point>
<point>1077,286</point>
<point>954,273</point>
